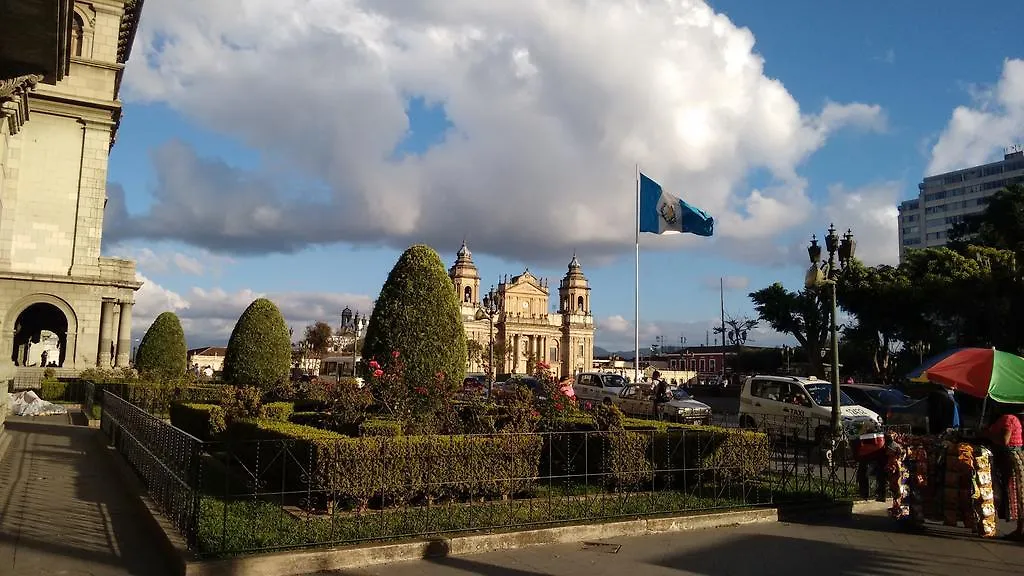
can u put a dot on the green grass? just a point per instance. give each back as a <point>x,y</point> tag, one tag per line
<point>230,528</point>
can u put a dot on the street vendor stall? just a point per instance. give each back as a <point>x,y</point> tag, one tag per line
<point>948,478</point>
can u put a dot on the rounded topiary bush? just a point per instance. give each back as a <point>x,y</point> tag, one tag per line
<point>162,353</point>
<point>260,350</point>
<point>417,315</point>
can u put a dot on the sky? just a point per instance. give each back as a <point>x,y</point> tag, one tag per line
<point>293,148</point>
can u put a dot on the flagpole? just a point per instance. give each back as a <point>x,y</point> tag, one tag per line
<point>636,293</point>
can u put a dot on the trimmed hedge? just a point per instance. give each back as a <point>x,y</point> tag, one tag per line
<point>260,350</point>
<point>278,411</point>
<point>53,390</point>
<point>387,469</point>
<point>162,354</point>
<point>381,427</point>
<point>417,314</point>
<point>204,421</point>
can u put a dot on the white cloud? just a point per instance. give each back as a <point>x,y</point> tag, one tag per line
<point>870,212</point>
<point>209,315</point>
<point>149,261</point>
<point>728,283</point>
<point>615,333</point>
<point>551,105</point>
<point>977,134</point>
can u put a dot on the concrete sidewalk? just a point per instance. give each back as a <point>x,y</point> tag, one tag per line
<point>864,545</point>
<point>63,508</point>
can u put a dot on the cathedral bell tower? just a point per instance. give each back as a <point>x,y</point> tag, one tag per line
<point>574,291</point>
<point>465,277</point>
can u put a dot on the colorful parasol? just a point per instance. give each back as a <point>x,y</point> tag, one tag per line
<point>978,372</point>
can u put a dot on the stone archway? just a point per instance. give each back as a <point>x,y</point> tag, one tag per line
<point>32,321</point>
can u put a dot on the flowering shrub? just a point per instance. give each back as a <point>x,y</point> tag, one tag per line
<point>520,415</point>
<point>424,407</point>
<point>241,402</point>
<point>347,402</point>
<point>553,405</point>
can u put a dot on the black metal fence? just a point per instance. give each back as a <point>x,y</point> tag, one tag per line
<point>239,495</point>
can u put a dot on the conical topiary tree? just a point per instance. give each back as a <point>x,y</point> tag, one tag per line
<point>417,314</point>
<point>260,349</point>
<point>162,354</point>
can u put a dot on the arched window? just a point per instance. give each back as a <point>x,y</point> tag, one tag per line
<point>468,294</point>
<point>579,304</point>
<point>77,35</point>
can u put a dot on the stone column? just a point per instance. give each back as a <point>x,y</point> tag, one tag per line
<point>124,336</point>
<point>106,321</point>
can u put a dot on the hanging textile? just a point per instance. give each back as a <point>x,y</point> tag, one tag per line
<point>899,477</point>
<point>917,457</point>
<point>984,498</point>
<point>1015,484</point>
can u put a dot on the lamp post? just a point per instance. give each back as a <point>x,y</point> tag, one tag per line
<point>829,272</point>
<point>488,311</point>
<point>787,353</point>
<point>921,348</point>
<point>354,325</point>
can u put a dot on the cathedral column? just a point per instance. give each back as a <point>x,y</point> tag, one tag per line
<point>106,322</point>
<point>124,336</point>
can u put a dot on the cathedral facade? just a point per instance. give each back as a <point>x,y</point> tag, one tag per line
<point>526,328</point>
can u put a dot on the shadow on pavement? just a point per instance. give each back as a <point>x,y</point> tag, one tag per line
<point>63,509</point>
<point>763,554</point>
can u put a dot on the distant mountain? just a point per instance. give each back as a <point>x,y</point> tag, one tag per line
<point>601,352</point>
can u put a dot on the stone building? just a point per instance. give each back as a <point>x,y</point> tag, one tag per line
<point>524,328</point>
<point>60,75</point>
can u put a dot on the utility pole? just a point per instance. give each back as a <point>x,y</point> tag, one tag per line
<point>721,295</point>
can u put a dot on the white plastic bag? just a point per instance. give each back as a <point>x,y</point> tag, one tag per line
<point>29,404</point>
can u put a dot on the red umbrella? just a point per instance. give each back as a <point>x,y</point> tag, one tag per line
<point>981,372</point>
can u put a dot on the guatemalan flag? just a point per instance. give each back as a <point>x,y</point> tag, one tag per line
<point>663,213</point>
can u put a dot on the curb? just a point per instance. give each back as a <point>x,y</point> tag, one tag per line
<point>350,557</point>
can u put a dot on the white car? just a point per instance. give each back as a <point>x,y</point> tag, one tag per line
<point>798,406</point>
<point>598,386</point>
<point>638,400</point>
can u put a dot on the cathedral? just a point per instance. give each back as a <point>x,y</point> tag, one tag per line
<point>525,329</point>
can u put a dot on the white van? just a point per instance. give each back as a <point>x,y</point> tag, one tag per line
<point>797,406</point>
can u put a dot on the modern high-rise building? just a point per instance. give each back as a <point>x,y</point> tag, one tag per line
<point>945,199</point>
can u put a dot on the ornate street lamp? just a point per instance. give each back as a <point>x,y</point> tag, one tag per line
<point>921,348</point>
<point>489,311</point>
<point>828,273</point>
<point>354,325</point>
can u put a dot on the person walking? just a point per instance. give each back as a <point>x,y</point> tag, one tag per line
<point>660,393</point>
<point>1006,435</point>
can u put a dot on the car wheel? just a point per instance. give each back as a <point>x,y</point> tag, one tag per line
<point>748,423</point>
<point>607,401</point>
<point>822,436</point>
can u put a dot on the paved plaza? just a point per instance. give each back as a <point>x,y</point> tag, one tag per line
<point>865,545</point>
<point>64,509</point>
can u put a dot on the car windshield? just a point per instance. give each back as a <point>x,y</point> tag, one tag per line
<point>680,394</point>
<point>613,380</point>
<point>890,397</point>
<point>822,395</point>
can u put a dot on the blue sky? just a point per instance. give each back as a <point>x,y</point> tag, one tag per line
<point>916,64</point>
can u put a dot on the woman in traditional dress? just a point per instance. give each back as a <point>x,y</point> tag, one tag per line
<point>1006,434</point>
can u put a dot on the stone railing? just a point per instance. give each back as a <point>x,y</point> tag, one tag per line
<point>117,269</point>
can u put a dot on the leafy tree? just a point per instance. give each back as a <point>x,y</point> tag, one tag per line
<point>162,354</point>
<point>804,315</point>
<point>259,351</point>
<point>318,337</point>
<point>418,315</point>
<point>1000,225</point>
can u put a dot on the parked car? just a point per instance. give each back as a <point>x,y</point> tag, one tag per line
<point>894,406</point>
<point>799,406</point>
<point>638,400</point>
<point>598,386</point>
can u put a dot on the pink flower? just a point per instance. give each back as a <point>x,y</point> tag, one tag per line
<point>374,365</point>
<point>394,353</point>
<point>378,373</point>
<point>421,390</point>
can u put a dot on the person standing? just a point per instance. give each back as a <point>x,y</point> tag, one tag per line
<point>660,393</point>
<point>1006,434</point>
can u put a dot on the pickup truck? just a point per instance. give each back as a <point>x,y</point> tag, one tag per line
<point>637,400</point>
